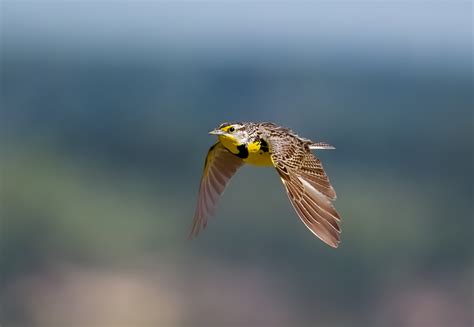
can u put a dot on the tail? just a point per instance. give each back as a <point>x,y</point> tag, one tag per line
<point>321,146</point>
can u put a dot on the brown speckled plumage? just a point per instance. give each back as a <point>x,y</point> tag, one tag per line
<point>307,185</point>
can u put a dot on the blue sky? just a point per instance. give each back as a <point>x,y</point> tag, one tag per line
<point>426,31</point>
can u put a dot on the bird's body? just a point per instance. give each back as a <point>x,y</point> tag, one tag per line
<point>267,144</point>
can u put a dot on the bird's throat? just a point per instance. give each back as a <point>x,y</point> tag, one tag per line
<point>230,143</point>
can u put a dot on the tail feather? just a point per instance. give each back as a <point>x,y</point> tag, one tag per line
<point>321,146</point>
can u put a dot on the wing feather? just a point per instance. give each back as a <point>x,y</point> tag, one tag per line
<point>309,191</point>
<point>219,167</point>
<point>312,170</point>
<point>312,220</point>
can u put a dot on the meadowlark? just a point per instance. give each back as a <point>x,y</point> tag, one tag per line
<point>267,144</point>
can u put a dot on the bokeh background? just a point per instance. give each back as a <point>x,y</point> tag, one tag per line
<point>105,110</point>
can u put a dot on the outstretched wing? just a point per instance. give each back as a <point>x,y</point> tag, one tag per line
<point>309,191</point>
<point>219,167</point>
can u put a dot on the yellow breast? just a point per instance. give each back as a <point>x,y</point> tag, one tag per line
<point>255,153</point>
<point>259,154</point>
<point>259,159</point>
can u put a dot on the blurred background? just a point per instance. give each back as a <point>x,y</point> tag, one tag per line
<point>105,110</point>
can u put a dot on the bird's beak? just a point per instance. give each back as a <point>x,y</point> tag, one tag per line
<point>217,132</point>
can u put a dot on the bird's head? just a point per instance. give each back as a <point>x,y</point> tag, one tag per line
<point>234,133</point>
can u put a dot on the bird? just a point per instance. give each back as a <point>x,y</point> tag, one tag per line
<point>269,145</point>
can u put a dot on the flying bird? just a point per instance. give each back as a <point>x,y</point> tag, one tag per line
<point>266,144</point>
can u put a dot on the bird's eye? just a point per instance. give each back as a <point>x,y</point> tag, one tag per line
<point>231,129</point>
